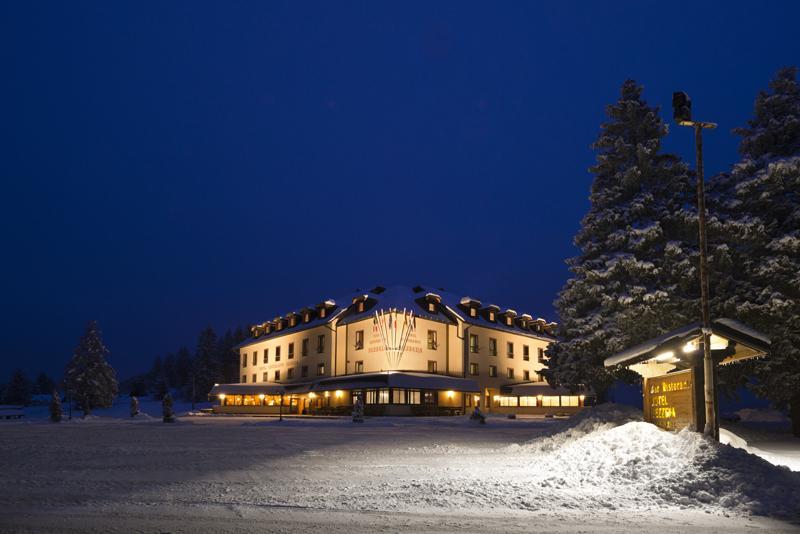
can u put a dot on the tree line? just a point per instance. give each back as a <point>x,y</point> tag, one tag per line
<point>636,275</point>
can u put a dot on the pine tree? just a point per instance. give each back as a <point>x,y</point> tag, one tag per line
<point>166,405</point>
<point>634,276</point>
<point>756,241</point>
<point>206,370</point>
<point>56,412</point>
<point>19,389</point>
<point>44,384</point>
<point>88,377</point>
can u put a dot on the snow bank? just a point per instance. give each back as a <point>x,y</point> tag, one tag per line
<point>635,464</point>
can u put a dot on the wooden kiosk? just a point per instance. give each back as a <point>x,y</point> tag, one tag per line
<point>671,366</point>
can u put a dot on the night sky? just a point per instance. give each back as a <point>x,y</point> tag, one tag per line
<point>171,165</point>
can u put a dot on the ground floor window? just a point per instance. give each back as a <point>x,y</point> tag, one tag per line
<point>506,401</point>
<point>378,396</point>
<point>570,400</point>
<point>550,400</point>
<point>430,397</point>
<point>527,401</point>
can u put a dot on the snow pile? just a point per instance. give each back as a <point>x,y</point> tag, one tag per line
<point>754,415</point>
<point>636,464</point>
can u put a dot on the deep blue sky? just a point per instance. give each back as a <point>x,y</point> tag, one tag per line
<point>171,165</point>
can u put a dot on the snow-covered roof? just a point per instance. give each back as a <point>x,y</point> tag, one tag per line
<point>757,343</point>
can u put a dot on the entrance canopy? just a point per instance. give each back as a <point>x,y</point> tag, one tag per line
<point>731,341</point>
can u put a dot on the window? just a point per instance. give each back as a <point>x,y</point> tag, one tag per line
<point>359,339</point>
<point>266,355</point>
<point>265,377</point>
<point>537,377</point>
<point>320,343</point>
<point>429,397</point>
<point>526,375</point>
<point>432,344</point>
<point>359,367</point>
<point>255,358</point>
<point>292,320</point>
<point>509,320</point>
<point>360,306</point>
<point>510,349</point>
<point>527,401</point>
<point>277,375</point>
<point>254,378</point>
<point>398,396</point>
<point>432,366</point>
<point>473,312</point>
<point>244,379</point>
<point>290,374</point>
<point>473,343</point>
<point>383,396</point>
<point>569,400</point>
<point>541,355</point>
<point>473,369</point>
<point>550,400</point>
<point>432,307</point>
<point>526,353</point>
<point>304,371</point>
<point>322,313</point>
<point>304,347</point>
<point>506,401</point>
<point>413,396</point>
<point>306,317</point>
<point>510,373</point>
<point>492,346</point>
<point>244,360</point>
<point>291,351</point>
<point>277,354</point>
<point>492,370</point>
<point>320,369</point>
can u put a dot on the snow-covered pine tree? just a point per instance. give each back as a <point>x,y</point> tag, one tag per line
<point>134,406</point>
<point>88,376</point>
<point>635,275</point>
<point>756,239</point>
<point>166,405</point>
<point>56,412</point>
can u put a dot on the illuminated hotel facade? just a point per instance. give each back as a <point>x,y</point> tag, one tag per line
<point>405,351</point>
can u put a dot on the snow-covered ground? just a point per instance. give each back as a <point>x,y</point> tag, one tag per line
<point>600,471</point>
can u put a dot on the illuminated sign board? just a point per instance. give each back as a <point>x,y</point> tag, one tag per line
<point>669,400</point>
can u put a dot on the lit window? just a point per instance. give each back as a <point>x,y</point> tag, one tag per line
<point>383,396</point>
<point>473,343</point>
<point>291,351</point>
<point>398,396</point>
<point>304,347</point>
<point>569,400</point>
<point>432,307</point>
<point>527,401</point>
<point>432,344</point>
<point>510,372</point>
<point>550,400</point>
<point>506,401</point>
<point>306,317</point>
<point>359,339</point>
<point>413,396</point>
<point>473,312</point>
<point>510,349</point>
<point>359,366</point>
<point>491,316</point>
<point>320,369</point>
<point>320,343</point>
<point>526,352</point>
<point>492,346</point>
<point>492,370</point>
<point>432,366</point>
<point>360,306</point>
<point>473,369</point>
<point>322,313</point>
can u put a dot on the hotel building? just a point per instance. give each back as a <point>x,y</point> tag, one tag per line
<point>405,351</point>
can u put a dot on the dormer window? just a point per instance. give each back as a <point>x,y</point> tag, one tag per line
<point>473,312</point>
<point>360,306</point>
<point>292,320</point>
<point>509,321</point>
<point>322,313</point>
<point>491,316</point>
<point>306,316</point>
<point>432,307</point>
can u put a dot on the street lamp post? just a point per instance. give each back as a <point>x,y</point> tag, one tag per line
<point>682,113</point>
